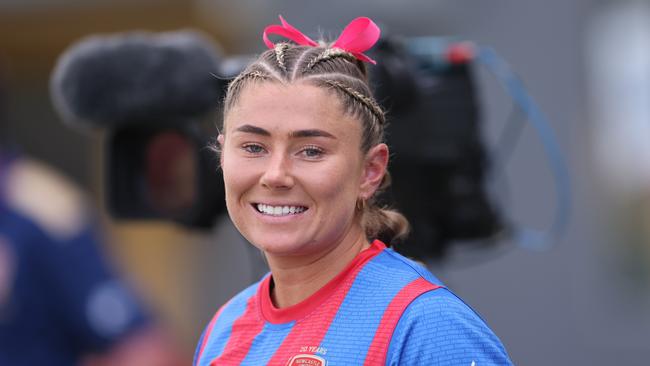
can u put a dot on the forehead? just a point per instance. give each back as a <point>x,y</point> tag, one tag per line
<point>287,107</point>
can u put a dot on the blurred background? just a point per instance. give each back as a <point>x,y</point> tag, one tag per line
<point>584,299</point>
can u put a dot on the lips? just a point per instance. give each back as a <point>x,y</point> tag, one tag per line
<point>279,210</point>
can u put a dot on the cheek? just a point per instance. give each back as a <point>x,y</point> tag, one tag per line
<point>335,182</point>
<point>236,180</point>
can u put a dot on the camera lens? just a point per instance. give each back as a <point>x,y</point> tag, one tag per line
<point>170,173</point>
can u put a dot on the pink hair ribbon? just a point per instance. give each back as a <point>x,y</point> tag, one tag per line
<point>357,37</point>
<point>286,30</point>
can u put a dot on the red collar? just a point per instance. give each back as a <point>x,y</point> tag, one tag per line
<point>303,308</point>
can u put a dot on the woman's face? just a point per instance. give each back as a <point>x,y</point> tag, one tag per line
<point>293,169</point>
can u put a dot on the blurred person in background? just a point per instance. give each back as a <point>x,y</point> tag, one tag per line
<point>61,303</point>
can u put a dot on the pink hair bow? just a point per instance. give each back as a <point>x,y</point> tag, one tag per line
<point>357,37</point>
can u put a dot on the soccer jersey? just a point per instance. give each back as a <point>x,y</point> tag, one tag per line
<point>382,309</point>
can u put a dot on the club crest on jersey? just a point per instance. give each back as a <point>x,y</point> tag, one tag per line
<point>306,360</point>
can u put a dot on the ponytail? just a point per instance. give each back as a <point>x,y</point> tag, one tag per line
<point>385,224</point>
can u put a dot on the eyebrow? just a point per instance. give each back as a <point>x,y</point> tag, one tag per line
<point>294,134</point>
<point>311,133</point>
<point>253,129</point>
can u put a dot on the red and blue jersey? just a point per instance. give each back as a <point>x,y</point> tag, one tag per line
<point>383,309</point>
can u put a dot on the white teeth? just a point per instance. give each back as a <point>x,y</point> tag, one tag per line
<point>279,210</point>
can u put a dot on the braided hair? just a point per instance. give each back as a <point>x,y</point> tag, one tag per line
<point>344,75</point>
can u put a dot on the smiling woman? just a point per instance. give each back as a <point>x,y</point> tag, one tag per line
<point>299,150</point>
<point>302,154</point>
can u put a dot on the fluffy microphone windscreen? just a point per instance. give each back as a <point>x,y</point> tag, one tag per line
<point>136,77</point>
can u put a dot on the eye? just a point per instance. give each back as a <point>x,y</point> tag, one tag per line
<point>253,148</point>
<point>312,152</point>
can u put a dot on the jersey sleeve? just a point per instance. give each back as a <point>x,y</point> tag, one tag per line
<point>438,329</point>
<point>197,351</point>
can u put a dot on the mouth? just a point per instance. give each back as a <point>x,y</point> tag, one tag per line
<point>279,210</point>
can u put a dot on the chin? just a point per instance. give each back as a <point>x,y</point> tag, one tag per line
<point>281,245</point>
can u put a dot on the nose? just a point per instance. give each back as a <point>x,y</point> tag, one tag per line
<point>277,173</point>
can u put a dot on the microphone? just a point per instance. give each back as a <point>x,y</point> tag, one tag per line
<point>152,93</point>
<point>136,77</point>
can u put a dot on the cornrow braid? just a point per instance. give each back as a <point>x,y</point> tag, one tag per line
<point>368,102</point>
<point>328,54</point>
<point>280,49</point>
<point>235,86</point>
<point>255,75</point>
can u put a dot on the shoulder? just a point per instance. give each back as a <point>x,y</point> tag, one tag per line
<point>231,310</point>
<point>45,197</point>
<point>215,334</point>
<point>239,302</point>
<point>392,266</point>
<point>438,328</point>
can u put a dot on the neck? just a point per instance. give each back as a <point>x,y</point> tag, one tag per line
<point>295,279</point>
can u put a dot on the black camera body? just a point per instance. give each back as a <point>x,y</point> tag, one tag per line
<point>164,172</point>
<point>439,164</point>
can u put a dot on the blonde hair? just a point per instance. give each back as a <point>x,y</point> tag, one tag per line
<point>343,74</point>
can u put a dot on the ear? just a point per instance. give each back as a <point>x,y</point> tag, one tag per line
<point>220,140</point>
<point>374,169</point>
